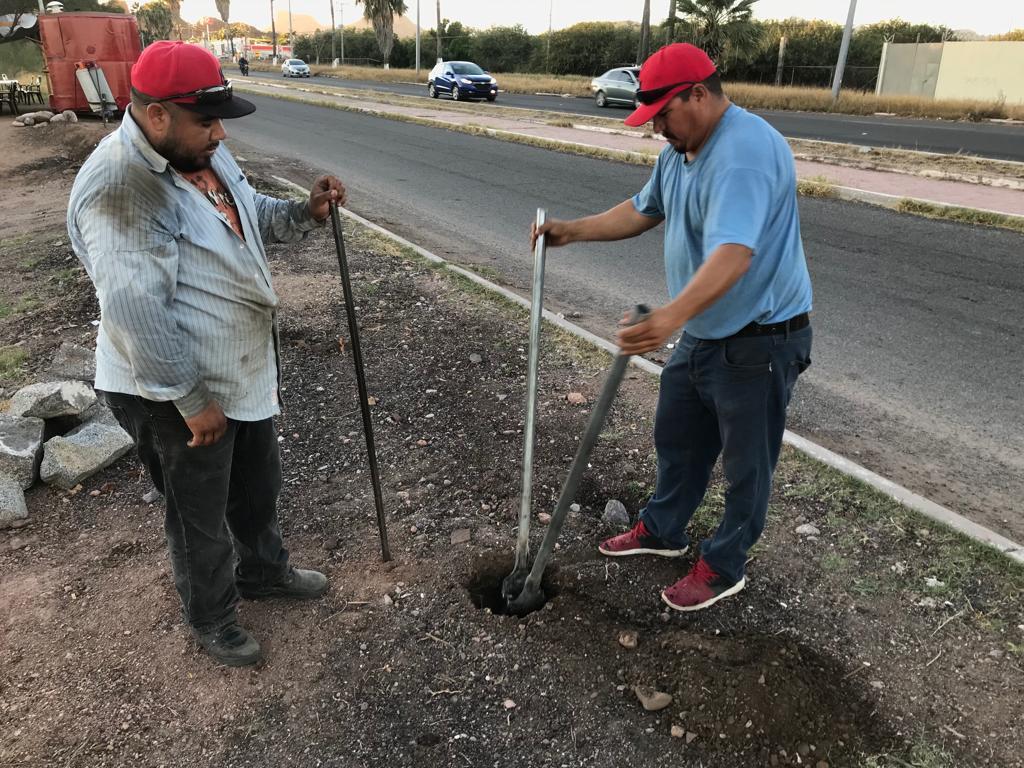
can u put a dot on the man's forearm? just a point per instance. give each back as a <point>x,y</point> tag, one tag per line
<point>726,265</point>
<point>616,223</point>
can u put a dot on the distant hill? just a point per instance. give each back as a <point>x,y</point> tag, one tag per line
<point>302,24</point>
<point>404,28</point>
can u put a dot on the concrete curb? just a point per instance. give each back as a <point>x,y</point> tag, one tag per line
<point>898,493</point>
<point>893,201</point>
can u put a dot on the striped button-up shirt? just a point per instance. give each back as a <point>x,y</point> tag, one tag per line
<point>188,313</point>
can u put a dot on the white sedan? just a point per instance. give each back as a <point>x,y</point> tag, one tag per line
<point>295,68</point>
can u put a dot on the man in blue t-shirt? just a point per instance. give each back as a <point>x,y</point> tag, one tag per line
<point>725,187</point>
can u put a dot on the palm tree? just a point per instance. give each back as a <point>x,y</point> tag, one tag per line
<point>381,13</point>
<point>224,8</point>
<point>719,26</point>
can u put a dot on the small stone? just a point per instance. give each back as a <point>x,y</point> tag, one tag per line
<point>932,583</point>
<point>807,530</point>
<point>73,361</point>
<point>544,518</point>
<point>152,495</point>
<point>21,447</point>
<point>422,443</point>
<point>651,699</point>
<point>678,732</point>
<point>615,514</point>
<point>996,653</point>
<point>877,685</point>
<point>628,640</point>
<point>12,502</point>
<point>509,704</point>
<point>821,764</point>
<point>574,507</point>
<point>475,358</point>
<point>803,749</point>
<point>690,737</point>
<point>576,398</point>
<point>388,600</point>
<point>460,536</point>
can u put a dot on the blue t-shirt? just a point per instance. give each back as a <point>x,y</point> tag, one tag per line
<point>740,189</point>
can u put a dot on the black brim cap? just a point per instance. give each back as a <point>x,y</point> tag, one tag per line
<point>230,108</point>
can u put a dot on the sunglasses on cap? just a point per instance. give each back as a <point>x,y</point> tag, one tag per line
<point>653,95</point>
<point>214,94</point>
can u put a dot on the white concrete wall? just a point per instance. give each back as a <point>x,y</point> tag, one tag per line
<point>981,70</point>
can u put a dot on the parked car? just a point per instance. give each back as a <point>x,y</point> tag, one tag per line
<point>461,80</point>
<point>616,86</point>
<point>295,68</point>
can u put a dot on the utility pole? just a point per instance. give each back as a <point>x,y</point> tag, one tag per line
<point>670,27</point>
<point>645,34</point>
<point>291,35</point>
<point>844,49</point>
<point>334,37</point>
<point>547,55</point>
<point>273,31</point>
<point>782,59</point>
<point>417,40</point>
<point>341,15</point>
<point>439,51</point>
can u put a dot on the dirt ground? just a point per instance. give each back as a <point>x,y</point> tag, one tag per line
<point>880,641</point>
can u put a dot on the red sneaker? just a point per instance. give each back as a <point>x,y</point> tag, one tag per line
<point>700,588</point>
<point>638,541</point>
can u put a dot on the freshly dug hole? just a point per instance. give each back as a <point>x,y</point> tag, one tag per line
<point>486,576</point>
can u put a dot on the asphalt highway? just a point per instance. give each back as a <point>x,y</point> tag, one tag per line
<point>918,358</point>
<point>985,139</point>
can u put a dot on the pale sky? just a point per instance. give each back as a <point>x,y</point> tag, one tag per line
<point>983,16</point>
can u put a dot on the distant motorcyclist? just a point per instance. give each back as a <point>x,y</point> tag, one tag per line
<point>243,66</point>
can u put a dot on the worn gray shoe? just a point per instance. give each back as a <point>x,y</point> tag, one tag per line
<point>298,584</point>
<point>229,644</point>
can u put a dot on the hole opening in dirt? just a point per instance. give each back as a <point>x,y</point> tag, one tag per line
<point>485,579</point>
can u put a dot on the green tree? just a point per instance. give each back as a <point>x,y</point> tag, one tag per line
<point>725,29</point>
<point>381,13</point>
<point>155,21</point>
<point>589,48</point>
<point>503,49</point>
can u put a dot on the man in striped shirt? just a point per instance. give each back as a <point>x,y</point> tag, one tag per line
<point>172,236</point>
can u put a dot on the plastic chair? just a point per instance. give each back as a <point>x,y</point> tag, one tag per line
<point>9,96</point>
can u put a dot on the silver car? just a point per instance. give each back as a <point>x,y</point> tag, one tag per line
<point>616,86</point>
<point>295,68</point>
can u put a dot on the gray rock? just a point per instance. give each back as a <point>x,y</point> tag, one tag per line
<point>69,460</point>
<point>807,530</point>
<point>98,413</point>
<point>615,514</point>
<point>51,399</point>
<point>153,495</point>
<point>475,358</point>
<point>40,117</point>
<point>73,361</point>
<point>21,447</point>
<point>27,121</point>
<point>460,536</point>
<point>12,502</point>
<point>58,119</point>
<point>70,116</point>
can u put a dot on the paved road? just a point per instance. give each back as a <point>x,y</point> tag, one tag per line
<point>996,140</point>
<point>918,357</point>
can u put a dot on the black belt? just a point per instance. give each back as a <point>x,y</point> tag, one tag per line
<point>794,323</point>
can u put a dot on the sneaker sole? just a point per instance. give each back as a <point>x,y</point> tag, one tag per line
<point>657,552</point>
<point>738,586</point>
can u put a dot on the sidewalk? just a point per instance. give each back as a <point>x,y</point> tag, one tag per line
<point>963,194</point>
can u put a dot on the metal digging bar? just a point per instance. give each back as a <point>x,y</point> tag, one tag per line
<point>513,583</point>
<point>357,358</point>
<point>532,597</point>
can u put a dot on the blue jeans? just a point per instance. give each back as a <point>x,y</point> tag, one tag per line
<point>725,397</point>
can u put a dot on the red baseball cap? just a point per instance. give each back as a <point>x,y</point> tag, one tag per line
<point>189,76</point>
<point>667,72</point>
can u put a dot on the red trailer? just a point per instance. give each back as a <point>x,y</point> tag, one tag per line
<point>105,42</point>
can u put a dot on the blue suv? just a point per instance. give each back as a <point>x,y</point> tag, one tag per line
<point>461,80</point>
